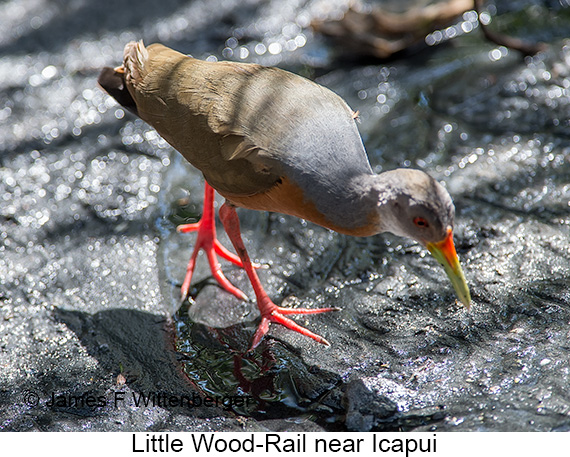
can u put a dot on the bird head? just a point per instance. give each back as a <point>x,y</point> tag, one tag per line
<point>414,205</point>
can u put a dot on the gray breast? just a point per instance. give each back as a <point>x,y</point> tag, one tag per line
<point>325,157</point>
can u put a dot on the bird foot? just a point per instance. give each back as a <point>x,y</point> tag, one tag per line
<point>273,313</point>
<point>270,312</point>
<point>208,242</point>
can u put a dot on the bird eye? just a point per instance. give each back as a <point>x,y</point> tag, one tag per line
<point>421,222</point>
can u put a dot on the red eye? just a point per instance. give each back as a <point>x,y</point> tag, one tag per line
<point>421,222</point>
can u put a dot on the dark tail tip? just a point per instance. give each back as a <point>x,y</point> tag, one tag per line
<point>114,84</point>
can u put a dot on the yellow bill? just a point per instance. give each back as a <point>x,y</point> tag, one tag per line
<point>444,252</point>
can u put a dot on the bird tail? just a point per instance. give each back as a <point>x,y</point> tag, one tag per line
<point>113,80</point>
<point>135,57</point>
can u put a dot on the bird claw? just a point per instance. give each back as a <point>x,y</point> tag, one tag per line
<point>277,315</point>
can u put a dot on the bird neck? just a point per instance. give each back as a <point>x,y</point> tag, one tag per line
<point>350,207</point>
<point>383,190</point>
<point>368,204</point>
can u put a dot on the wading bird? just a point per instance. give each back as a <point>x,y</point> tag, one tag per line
<point>269,140</point>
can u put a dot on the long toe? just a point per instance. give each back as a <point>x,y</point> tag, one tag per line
<point>206,243</point>
<point>292,325</point>
<point>218,275</point>
<point>277,316</point>
<point>223,252</point>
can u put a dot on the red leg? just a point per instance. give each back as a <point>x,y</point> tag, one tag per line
<point>270,312</point>
<point>207,241</point>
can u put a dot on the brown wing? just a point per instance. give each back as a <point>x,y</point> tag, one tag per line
<point>250,128</point>
<point>186,100</point>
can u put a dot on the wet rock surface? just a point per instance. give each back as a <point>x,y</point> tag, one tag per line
<point>91,264</point>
